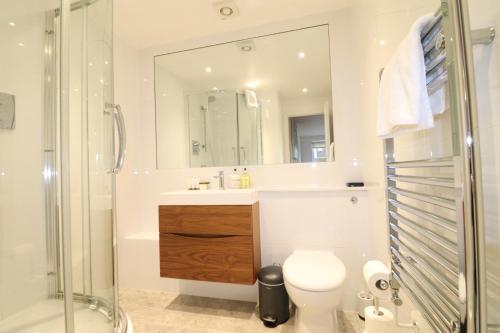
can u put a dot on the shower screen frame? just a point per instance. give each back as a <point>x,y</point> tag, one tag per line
<point>57,171</point>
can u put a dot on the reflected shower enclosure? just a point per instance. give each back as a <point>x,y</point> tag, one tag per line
<point>223,130</point>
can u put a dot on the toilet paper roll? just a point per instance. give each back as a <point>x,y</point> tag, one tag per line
<point>376,274</point>
<point>379,322</point>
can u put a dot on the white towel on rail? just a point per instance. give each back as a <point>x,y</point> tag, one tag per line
<point>404,103</point>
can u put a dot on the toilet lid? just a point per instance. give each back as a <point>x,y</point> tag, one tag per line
<point>314,270</point>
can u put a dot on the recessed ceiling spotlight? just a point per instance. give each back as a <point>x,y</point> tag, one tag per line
<point>246,46</point>
<point>215,88</point>
<point>382,42</point>
<point>20,44</point>
<point>302,55</point>
<point>12,24</point>
<point>226,9</point>
<point>208,69</point>
<point>304,90</point>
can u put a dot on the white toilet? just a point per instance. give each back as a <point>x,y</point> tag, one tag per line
<point>313,280</point>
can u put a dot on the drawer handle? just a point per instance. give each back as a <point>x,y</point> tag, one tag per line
<point>201,235</point>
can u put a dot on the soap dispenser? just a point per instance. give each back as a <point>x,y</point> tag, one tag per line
<point>235,179</point>
<point>245,179</point>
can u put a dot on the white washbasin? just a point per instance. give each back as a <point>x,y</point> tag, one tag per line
<point>209,197</point>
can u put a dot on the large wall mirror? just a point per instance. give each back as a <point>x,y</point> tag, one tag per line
<point>264,100</point>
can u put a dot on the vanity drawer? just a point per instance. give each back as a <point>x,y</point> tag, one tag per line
<point>220,258</point>
<point>208,220</point>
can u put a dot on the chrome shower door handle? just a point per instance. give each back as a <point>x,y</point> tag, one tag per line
<point>122,135</point>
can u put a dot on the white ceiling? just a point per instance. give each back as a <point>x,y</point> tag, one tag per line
<point>275,64</point>
<point>147,23</point>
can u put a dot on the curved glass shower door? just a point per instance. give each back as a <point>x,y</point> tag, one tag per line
<point>484,15</point>
<point>57,165</point>
<point>91,162</point>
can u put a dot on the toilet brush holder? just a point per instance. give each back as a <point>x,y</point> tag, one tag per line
<point>364,299</point>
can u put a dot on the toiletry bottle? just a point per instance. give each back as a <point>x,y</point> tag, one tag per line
<point>245,179</point>
<point>235,179</point>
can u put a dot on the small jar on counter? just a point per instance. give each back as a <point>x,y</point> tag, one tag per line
<point>204,185</point>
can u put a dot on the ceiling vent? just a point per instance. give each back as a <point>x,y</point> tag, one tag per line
<point>226,9</point>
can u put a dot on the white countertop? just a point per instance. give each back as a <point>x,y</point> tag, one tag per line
<point>209,197</point>
<point>240,196</point>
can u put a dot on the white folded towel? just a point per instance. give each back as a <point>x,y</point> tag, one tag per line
<point>251,99</point>
<point>404,103</point>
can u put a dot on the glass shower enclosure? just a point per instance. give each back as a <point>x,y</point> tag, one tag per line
<point>58,132</point>
<point>485,60</point>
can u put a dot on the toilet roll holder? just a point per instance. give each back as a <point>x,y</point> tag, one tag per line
<point>381,285</point>
<point>395,286</point>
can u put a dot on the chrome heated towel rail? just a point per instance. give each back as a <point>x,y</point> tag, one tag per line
<point>427,199</point>
<point>424,221</point>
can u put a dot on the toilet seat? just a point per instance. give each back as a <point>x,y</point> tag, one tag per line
<point>314,270</point>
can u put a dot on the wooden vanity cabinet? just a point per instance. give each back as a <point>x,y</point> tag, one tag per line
<point>218,243</point>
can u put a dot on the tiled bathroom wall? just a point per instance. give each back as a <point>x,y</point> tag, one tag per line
<point>363,37</point>
<point>23,280</point>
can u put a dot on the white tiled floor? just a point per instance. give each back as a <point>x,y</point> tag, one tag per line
<point>159,312</point>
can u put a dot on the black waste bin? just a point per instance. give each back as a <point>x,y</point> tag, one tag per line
<point>274,304</point>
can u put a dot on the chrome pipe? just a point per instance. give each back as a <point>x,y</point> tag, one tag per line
<point>433,305</point>
<point>50,155</point>
<point>432,163</point>
<point>434,181</point>
<point>437,84</point>
<point>421,303</point>
<point>85,172</point>
<point>447,282</point>
<point>428,234</point>
<point>432,26</point>
<point>432,199</point>
<point>439,60</point>
<point>418,245</point>
<point>65,166</point>
<point>427,313</point>
<point>436,286</point>
<point>430,217</point>
<point>470,228</point>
